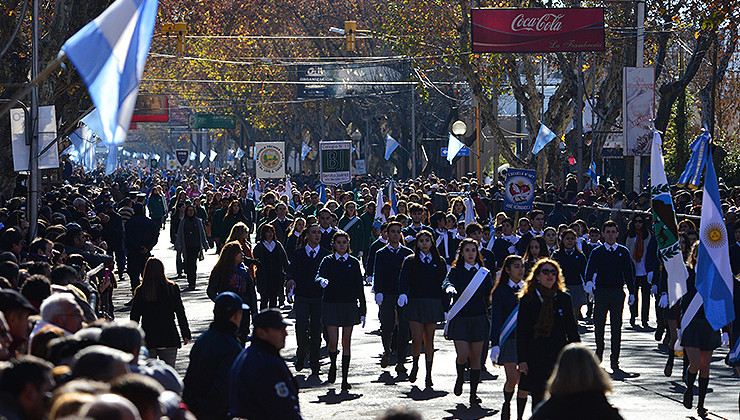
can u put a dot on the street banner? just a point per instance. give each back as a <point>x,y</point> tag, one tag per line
<point>182,157</point>
<point>270,159</point>
<point>665,226</point>
<point>47,135</point>
<point>519,189</point>
<point>334,158</point>
<point>360,167</point>
<point>638,103</point>
<point>537,30</point>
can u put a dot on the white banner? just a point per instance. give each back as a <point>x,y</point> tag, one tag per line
<point>47,134</point>
<point>270,159</point>
<point>638,102</point>
<point>334,159</point>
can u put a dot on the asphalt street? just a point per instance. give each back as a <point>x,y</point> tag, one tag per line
<point>641,392</point>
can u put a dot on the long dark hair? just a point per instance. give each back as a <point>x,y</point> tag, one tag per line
<point>632,230</point>
<point>460,260</point>
<point>504,278</point>
<point>544,253</point>
<point>225,264</point>
<point>154,283</point>
<point>339,234</point>
<point>436,258</point>
<point>264,228</point>
<point>238,214</point>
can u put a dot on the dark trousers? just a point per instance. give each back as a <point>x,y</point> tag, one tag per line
<point>612,301</point>
<point>643,291</point>
<point>389,310</point>
<point>308,328</point>
<point>191,265</point>
<point>134,267</point>
<point>158,221</point>
<point>243,332</point>
<point>120,257</point>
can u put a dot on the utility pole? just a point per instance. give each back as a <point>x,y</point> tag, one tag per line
<point>414,169</point>
<point>33,178</point>
<point>578,123</point>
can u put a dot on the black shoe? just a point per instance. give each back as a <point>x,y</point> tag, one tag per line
<point>668,367</point>
<point>506,412</point>
<point>429,383</point>
<point>615,367</point>
<point>632,322</point>
<point>128,303</point>
<point>346,386</point>
<point>401,371</point>
<point>414,372</point>
<point>315,372</point>
<point>645,325</point>
<point>385,359</point>
<point>702,412</point>
<point>459,385</point>
<point>688,397</point>
<point>475,400</point>
<point>299,362</point>
<point>659,335</point>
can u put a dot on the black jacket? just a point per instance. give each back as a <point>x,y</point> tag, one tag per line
<point>564,329</point>
<point>206,389</point>
<point>141,231</point>
<point>587,405</point>
<point>158,317</point>
<point>303,270</point>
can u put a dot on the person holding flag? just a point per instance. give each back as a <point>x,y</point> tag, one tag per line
<point>504,311</point>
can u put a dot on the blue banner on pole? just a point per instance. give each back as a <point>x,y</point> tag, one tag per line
<point>519,189</point>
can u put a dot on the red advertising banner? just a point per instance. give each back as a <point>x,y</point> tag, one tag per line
<point>537,30</point>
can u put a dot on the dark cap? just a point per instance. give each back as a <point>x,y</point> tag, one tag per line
<point>227,303</point>
<point>270,318</point>
<point>10,299</point>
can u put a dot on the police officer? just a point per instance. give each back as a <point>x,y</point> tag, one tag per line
<point>262,387</point>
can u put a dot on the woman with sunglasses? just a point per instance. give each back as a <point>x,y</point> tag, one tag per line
<point>643,251</point>
<point>545,325</point>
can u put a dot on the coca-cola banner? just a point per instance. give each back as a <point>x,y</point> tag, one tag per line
<point>537,30</point>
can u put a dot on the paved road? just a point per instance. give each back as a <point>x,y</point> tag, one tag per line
<point>642,393</point>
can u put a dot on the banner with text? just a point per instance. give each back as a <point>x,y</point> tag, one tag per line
<point>537,30</point>
<point>270,159</point>
<point>519,189</point>
<point>334,158</point>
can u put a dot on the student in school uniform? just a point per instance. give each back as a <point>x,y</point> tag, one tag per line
<point>409,232</point>
<point>343,302</point>
<point>272,265</point>
<point>388,263</point>
<point>420,288</point>
<point>467,320</point>
<point>327,230</point>
<point>504,307</point>
<point>644,255</point>
<point>474,231</point>
<point>301,281</point>
<point>573,263</point>
<point>506,244</point>
<point>551,239</point>
<point>353,225</point>
<point>444,240</point>
<point>374,248</point>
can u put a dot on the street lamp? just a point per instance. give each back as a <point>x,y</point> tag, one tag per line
<point>459,128</point>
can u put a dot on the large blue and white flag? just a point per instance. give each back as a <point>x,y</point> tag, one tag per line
<point>713,272</point>
<point>305,150</point>
<point>453,147</point>
<point>664,224</point>
<point>83,140</point>
<point>544,137</point>
<point>390,146</point>
<point>288,191</point>
<point>591,172</point>
<point>109,53</point>
<point>112,161</point>
<point>691,176</point>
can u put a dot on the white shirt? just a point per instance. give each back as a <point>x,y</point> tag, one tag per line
<point>537,233</point>
<point>468,266</point>
<point>611,247</point>
<point>323,231</point>
<point>340,257</point>
<point>269,245</point>
<point>383,240</point>
<point>516,286</point>
<point>425,258</point>
<point>315,250</point>
<point>394,249</point>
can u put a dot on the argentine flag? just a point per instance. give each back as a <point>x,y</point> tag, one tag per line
<point>390,146</point>
<point>691,176</point>
<point>713,273</point>
<point>453,148</point>
<point>109,54</point>
<point>393,197</point>
<point>544,137</point>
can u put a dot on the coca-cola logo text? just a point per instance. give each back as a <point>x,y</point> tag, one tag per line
<point>548,22</point>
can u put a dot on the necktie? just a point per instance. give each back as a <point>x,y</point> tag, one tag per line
<point>312,254</point>
<point>426,260</point>
<point>342,259</point>
<point>473,269</point>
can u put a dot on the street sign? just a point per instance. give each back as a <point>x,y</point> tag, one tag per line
<point>335,158</point>
<point>198,121</point>
<point>270,159</point>
<point>465,151</point>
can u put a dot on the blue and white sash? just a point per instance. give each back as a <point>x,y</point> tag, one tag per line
<point>735,353</point>
<point>509,325</point>
<point>466,295</point>
<point>351,223</point>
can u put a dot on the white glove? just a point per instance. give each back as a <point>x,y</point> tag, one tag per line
<point>379,298</point>
<point>650,277</point>
<point>589,287</point>
<point>359,256</point>
<point>362,319</point>
<point>495,351</point>
<point>402,300</point>
<point>370,280</point>
<point>725,339</point>
<point>663,303</point>
<point>451,290</point>
<point>323,282</point>
<point>409,238</point>
<point>291,294</point>
<point>631,300</point>
<point>654,290</point>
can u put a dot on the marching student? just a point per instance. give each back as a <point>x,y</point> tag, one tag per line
<point>410,231</point>
<point>474,231</point>
<point>470,284</point>
<point>352,224</point>
<point>294,237</point>
<point>644,255</point>
<point>504,310</point>
<point>536,250</point>
<point>420,288</point>
<point>388,263</point>
<point>551,239</point>
<point>272,265</point>
<point>327,230</point>
<point>301,276</point>
<point>444,239</point>
<point>545,325</point>
<point>608,269</point>
<point>374,248</point>
<point>525,235</point>
<point>573,263</point>
<point>343,300</point>
<point>506,244</point>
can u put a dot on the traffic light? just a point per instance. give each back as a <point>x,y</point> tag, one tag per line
<point>181,29</point>
<point>350,31</point>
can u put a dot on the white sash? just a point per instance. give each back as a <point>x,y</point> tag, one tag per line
<point>443,238</point>
<point>351,223</point>
<point>468,293</point>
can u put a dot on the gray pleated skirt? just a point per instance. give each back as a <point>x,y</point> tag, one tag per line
<point>508,350</point>
<point>425,311</point>
<point>468,328</point>
<point>340,314</point>
<point>577,295</point>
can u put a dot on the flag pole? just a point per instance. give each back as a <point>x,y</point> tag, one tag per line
<point>36,80</point>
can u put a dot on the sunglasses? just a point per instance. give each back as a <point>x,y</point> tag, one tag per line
<point>548,271</point>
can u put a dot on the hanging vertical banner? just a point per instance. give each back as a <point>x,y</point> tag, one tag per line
<point>519,189</point>
<point>335,158</point>
<point>47,134</point>
<point>638,103</point>
<point>270,159</point>
<point>182,157</point>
